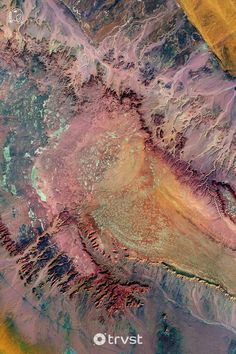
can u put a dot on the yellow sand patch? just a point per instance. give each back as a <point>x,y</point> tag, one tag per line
<point>216,21</point>
<point>12,343</point>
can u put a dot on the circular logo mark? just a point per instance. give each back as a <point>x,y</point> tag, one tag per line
<point>99,339</point>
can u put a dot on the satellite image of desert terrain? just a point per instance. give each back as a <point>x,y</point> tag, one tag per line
<point>118,177</point>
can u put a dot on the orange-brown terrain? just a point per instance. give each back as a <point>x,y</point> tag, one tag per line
<point>215,19</point>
